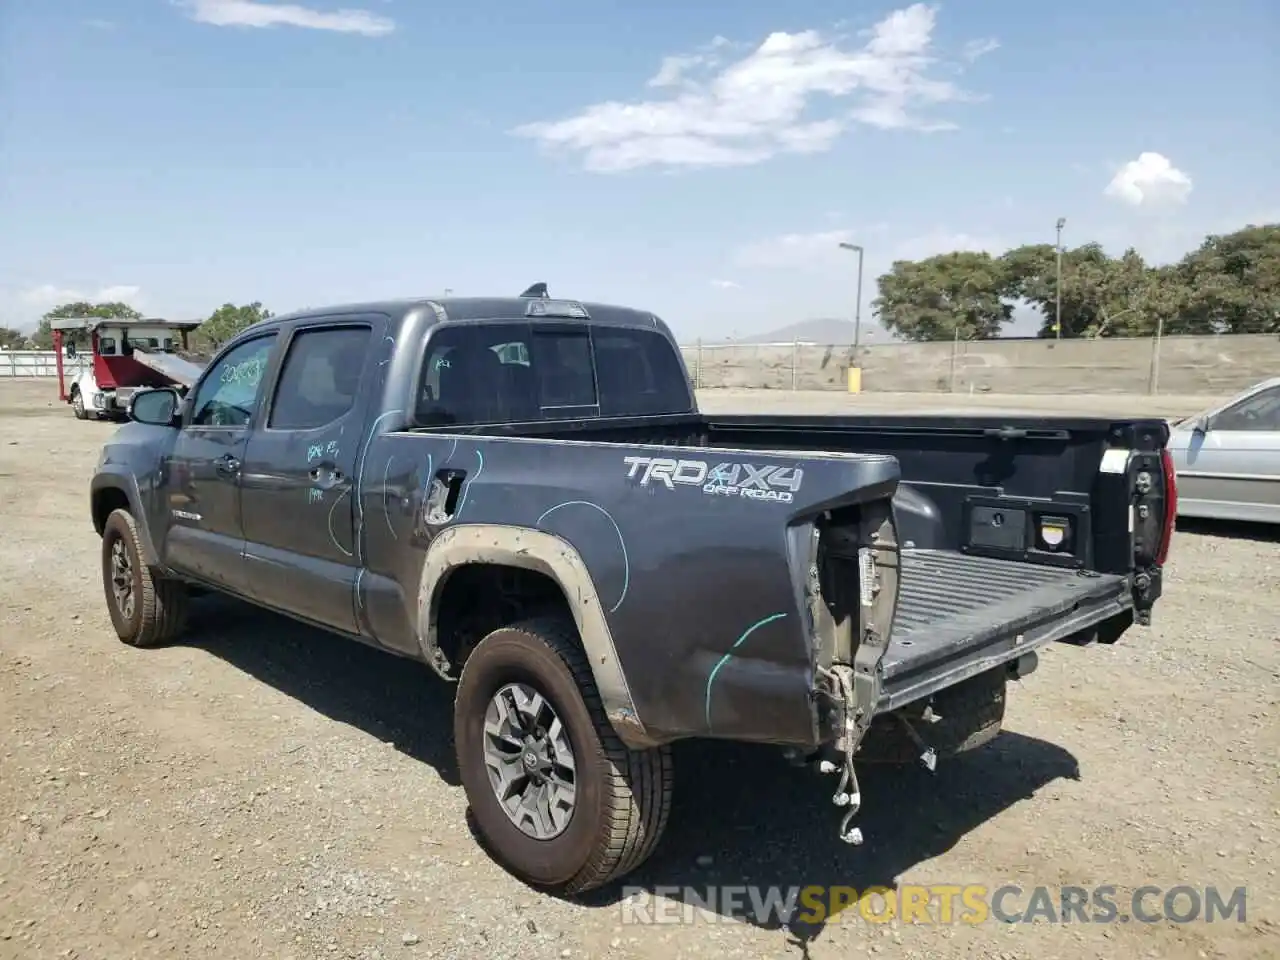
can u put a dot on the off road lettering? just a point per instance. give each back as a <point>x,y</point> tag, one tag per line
<point>725,479</point>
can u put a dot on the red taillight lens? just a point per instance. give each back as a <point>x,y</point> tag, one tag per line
<point>1170,505</point>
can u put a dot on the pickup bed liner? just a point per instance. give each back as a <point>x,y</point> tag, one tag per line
<point>959,615</point>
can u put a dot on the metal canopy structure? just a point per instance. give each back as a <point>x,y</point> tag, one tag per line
<point>93,323</point>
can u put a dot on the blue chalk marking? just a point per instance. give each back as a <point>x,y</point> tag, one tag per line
<point>626,561</point>
<point>466,490</point>
<point>725,659</point>
<point>385,515</point>
<point>333,536</point>
<point>359,483</point>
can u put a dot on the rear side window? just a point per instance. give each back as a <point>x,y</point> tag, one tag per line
<point>320,379</point>
<point>639,374</point>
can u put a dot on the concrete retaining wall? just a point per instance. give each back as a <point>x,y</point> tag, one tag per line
<point>1191,365</point>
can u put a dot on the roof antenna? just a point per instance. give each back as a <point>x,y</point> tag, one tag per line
<point>537,290</point>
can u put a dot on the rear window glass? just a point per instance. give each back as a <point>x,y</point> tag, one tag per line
<point>511,372</point>
<point>504,373</point>
<point>639,373</point>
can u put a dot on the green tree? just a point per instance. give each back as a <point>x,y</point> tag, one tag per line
<point>1233,282</point>
<point>1230,284</point>
<point>228,320</point>
<point>11,339</point>
<point>1101,296</point>
<point>43,337</point>
<point>960,293</point>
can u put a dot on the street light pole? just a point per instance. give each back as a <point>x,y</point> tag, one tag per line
<point>1057,322</point>
<point>857,307</point>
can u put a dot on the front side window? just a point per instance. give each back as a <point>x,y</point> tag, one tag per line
<point>320,379</point>
<point>229,394</point>
<point>1260,412</point>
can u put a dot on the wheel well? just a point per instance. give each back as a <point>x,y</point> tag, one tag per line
<point>478,598</point>
<point>104,502</point>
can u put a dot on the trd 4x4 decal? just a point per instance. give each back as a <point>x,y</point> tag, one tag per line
<point>726,479</point>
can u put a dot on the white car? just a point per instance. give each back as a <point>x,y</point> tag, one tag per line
<point>1227,459</point>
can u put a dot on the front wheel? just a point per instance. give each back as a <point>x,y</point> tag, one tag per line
<point>560,801</point>
<point>77,405</point>
<point>146,610</point>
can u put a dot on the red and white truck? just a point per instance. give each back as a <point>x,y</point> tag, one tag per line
<point>120,357</point>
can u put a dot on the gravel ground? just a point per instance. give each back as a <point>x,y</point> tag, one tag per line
<point>263,790</point>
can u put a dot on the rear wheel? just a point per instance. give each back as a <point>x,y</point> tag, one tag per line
<point>146,610</point>
<point>559,800</point>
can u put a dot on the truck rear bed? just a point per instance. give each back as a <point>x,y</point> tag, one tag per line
<point>959,615</point>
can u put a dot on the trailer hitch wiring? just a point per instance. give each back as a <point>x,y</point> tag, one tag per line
<point>848,793</point>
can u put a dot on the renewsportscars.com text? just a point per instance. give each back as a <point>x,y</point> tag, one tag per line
<point>934,904</point>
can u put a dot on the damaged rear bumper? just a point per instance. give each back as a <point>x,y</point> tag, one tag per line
<point>932,620</point>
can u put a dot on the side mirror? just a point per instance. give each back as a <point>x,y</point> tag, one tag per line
<point>160,407</point>
<point>1201,425</point>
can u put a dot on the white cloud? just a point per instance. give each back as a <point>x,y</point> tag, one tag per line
<point>944,241</point>
<point>1150,181</point>
<point>672,72</point>
<point>48,295</point>
<point>256,13</point>
<point>975,49</point>
<point>725,284</point>
<point>793,250</point>
<point>762,104</point>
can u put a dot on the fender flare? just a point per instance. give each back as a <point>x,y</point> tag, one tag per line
<point>127,485</point>
<point>556,558</point>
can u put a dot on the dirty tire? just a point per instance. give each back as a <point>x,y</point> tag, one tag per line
<point>77,405</point>
<point>159,610</point>
<point>972,713</point>
<point>623,795</point>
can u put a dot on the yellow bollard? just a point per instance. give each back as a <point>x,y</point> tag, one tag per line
<point>855,379</point>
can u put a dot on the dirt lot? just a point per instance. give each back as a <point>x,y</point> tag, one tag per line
<point>262,790</point>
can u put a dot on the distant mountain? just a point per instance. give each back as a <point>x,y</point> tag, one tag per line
<point>823,330</point>
<point>830,330</point>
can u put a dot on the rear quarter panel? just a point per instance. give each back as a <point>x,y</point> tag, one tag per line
<point>701,589</point>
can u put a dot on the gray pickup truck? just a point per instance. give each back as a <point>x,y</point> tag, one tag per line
<point>521,493</point>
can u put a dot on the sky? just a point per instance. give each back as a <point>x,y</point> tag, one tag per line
<point>702,160</point>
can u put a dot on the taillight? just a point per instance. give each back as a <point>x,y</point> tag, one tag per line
<point>1170,506</point>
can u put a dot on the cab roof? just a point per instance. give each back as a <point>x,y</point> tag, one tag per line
<point>462,309</point>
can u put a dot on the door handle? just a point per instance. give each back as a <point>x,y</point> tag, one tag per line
<point>227,465</point>
<point>325,478</point>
